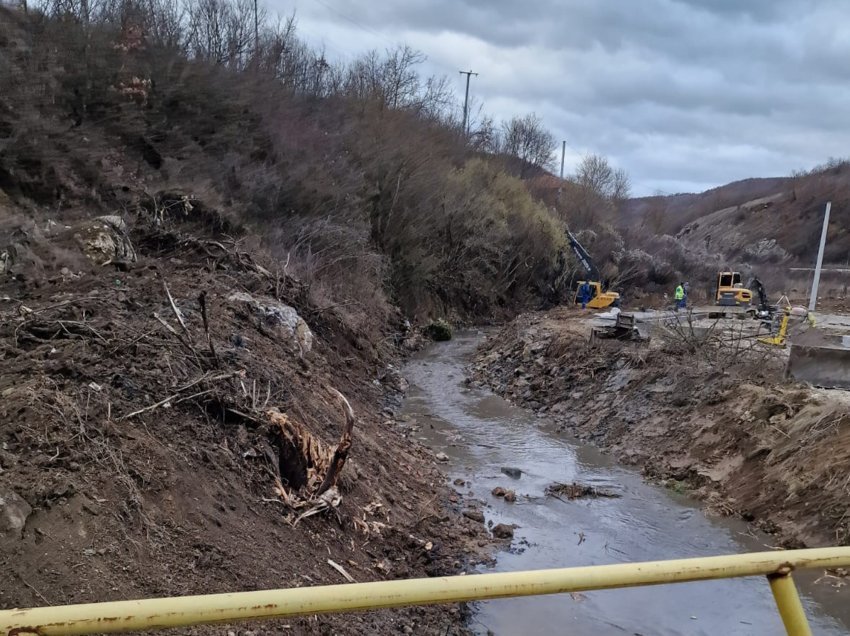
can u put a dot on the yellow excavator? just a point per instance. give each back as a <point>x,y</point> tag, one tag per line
<point>600,298</point>
<point>730,291</point>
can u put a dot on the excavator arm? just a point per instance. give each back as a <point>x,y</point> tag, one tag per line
<point>583,258</point>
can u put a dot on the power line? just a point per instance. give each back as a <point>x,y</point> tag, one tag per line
<point>355,22</point>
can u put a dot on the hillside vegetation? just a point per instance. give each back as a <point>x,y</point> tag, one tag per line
<point>356,178</point>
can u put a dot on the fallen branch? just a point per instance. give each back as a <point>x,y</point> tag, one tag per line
<point>174,398</point>
<point>182,340</point>
<point>202,300</point>
<point>176,311</point>
<point>578,491</point>
<point>336,566</point>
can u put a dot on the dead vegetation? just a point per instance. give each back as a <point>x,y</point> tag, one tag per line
<point>575,490</point>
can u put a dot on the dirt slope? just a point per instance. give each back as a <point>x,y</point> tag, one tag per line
<point>183,497</point>
<point>746,442</point>
<point>757,221</point>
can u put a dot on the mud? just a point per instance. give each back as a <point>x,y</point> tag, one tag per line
<point>135,460</point>
<point>723,424</point>
<point>493,447</point>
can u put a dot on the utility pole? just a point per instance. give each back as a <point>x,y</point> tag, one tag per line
<point>561,183</point>
<point>466,100</point>
<point>256,34</point>
<point>813,299</point>
<point>563,153</point>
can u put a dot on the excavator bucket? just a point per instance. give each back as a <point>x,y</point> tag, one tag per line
<point>820,359</point>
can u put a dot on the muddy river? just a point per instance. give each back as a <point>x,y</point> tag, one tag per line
<point>481,433</point>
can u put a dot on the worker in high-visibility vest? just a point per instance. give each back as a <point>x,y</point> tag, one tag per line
<point>679,296</point>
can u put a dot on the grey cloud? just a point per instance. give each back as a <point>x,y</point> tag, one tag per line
<point>675,91</point>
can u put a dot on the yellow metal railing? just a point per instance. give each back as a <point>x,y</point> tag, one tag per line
<point>146,614</point>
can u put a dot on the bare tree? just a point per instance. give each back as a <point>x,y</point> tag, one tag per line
<point>485,136</point>
<point>399,78</point>
<point>526,139</point>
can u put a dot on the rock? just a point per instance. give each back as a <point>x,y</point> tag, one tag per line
<point>475,515</point>
<point>14,511</point>
<point>498,491</point>
<point>459,482</point>
<point>503,531</point>
<point>514,473</point>
<point>439,330</point>
<point>394,380</point>
<point>441,457</point>
<point>280,317</point>
<point>104,240</point>
<point>510,496</point>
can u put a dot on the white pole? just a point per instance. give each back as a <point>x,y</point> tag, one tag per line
<point>813,299</point>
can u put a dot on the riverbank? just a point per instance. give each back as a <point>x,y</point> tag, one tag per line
<point>162,393</point>
<point>730,431</point>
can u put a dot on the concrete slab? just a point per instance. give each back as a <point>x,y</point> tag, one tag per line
<point>820,359</point>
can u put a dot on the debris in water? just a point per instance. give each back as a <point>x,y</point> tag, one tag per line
<point>516,473</point>
<point>578,491</point>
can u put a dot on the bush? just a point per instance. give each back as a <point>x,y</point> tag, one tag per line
<point>439,330</point>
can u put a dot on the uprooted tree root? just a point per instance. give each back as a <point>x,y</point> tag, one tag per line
<point>308,469</point>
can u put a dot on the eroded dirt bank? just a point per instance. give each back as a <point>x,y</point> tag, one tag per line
<point>727,427</point>
<point>147,374</point>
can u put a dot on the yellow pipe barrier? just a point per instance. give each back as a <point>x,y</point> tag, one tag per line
<point>789,604</point>
<point>126,616</point>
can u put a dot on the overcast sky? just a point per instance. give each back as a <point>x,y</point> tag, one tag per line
<point>683,94</point>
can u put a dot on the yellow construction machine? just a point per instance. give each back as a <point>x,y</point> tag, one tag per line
<point>779,325</point>
<point>730,291</point>
<point>600,298</point>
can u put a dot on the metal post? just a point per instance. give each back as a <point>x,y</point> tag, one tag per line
<point>813,299</point>
<point>563,153</point>
<point>561,182</point>
<point>788,603</point>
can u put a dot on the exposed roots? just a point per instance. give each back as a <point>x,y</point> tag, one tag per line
<point>308,469</point>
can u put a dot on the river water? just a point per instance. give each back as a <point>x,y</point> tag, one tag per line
<point>481,433</point>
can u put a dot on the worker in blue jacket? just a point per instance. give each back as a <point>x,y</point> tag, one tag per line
<point>584,294</point>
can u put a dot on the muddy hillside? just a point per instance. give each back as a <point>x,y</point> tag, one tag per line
<point>722,424</point>
<point>177,419</point>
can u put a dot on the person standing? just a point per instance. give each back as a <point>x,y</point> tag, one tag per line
<point>584,294</point>
<point>679,296</point>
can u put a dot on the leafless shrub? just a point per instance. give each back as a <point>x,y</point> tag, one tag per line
<point>729,346</point>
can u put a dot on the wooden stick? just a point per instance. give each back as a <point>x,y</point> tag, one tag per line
<point>174,397</point>
<point>336,566</point>
<point>202,300</point>
<point>176,311</point>
<point>180,338</point>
